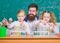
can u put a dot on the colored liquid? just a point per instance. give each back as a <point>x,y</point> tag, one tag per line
<point>2,31</point>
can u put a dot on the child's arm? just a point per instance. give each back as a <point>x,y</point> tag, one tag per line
<point>54,28</point>
<point>56,31</point>
<point>26,28</point>
<point>11,25</point>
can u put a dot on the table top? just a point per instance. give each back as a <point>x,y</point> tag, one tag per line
<point>29,37</point>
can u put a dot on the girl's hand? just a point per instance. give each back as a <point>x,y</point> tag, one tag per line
<point>51,25</point>
<point>22,24</point>
<point>43,22</point>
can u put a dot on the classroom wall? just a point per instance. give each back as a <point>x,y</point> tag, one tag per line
<point>9,8</point>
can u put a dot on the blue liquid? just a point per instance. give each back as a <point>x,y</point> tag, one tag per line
<point>22,33</point>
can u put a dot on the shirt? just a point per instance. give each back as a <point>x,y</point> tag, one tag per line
<point>52,30</point>
<point>17,24</point>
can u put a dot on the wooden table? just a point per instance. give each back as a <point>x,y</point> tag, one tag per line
<point>30,39</point>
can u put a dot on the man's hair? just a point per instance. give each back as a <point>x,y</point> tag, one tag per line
<point>33,5</point>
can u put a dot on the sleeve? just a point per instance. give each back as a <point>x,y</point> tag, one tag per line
<point>11,25</point>
<point>55,30</point>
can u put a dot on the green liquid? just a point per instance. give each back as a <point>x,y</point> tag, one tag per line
<point>2,31</point>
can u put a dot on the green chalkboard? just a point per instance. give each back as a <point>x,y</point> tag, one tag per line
<point>9,8</point>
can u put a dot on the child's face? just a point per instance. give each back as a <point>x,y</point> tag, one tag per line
<point>20,17</point>
<point>32,10</point>
<point>46,17</point>
<point>4,21</point>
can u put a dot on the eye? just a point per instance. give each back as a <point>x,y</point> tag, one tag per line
<point>18,16</point>
<point>33,10</point>
<point>44,17</point>
<point>30,10</point>
<point>22,16</point>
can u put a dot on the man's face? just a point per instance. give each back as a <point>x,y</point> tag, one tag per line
<point>32,10</point>
<point>31,17</point>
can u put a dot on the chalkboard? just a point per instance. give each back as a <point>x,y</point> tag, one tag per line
<point>9,8</point>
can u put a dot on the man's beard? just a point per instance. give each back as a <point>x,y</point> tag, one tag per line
<point>31,17</point>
